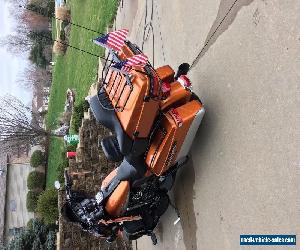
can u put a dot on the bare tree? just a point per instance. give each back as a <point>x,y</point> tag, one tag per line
<point>18,126</point>
<point>35,77</point>
<point>34,21</point>
<point>17,43</point>
<point>25,21</point>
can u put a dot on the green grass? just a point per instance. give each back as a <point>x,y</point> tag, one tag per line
<point>54,28</point>
<point>76,70</point>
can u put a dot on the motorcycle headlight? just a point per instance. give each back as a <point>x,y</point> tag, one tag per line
<point>99,197</point>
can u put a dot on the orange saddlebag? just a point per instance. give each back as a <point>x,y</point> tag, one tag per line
<point>135,113</point>
<point>170,136</point>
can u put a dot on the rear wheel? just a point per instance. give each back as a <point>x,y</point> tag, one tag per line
<point>163,204</point>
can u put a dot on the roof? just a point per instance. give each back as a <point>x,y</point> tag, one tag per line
<point>3,166</point>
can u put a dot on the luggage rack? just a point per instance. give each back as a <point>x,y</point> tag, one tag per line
<point>116,87</point>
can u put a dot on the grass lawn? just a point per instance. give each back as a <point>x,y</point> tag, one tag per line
<point>76,70</point>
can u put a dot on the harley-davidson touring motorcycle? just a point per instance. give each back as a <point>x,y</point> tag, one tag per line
<point>154,116</point>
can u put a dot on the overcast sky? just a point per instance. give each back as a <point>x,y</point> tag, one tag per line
<point>10,65</point>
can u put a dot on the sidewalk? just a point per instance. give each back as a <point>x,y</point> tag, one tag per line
<point>243,176</point>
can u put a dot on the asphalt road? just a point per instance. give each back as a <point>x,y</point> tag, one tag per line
<point>243,177</point>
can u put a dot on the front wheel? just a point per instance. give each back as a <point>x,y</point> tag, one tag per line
<point>163,204</point>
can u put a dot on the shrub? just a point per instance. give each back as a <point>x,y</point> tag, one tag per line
<point>36,180</point>
<point>62,35</point>
<point>78,113</point>
<point>36,236</point>
<point>47,206</point>
<point>65,117</point>
<point>60,171</point>
<point>71,148</point>
<point>59,47</point>
<point>31,200</point>
<point>50,241</point>
<point>37,158</point>
<point>63,13</point>
<point>37,55</point>
<point>42,9</point>
<point>30,224</point>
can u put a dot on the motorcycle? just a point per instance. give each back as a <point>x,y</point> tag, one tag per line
<point>154,116</point>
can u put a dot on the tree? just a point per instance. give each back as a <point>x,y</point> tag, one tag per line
<point>37,55</point>
<point>47,205</point>
<point>44,8</point>
<point>34,21</point>
<point>18,127</point>
<point>37,158</point>
<point>35,77</point>
<point>35,180</point>
<point>17,43</point>
<point>37,235</point>
<point>31,200</point>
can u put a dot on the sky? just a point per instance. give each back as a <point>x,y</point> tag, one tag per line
<point>10,65</point>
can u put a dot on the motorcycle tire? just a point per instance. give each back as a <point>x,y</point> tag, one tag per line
<point>163,204</point>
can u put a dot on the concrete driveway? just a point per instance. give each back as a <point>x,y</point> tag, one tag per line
<point>244,173</point>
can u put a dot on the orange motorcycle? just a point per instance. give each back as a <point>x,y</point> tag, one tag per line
<point>154,116</point>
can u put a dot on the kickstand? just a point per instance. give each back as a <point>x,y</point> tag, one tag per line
<point>153,238</point>
<point>177,213</point>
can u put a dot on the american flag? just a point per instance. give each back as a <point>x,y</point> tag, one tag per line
<point>126,65</point>
<point>113,40</point>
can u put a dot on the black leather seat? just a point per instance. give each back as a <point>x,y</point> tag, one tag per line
<point>105,114</point>
<point>131,171</point>
<point>111,149</point>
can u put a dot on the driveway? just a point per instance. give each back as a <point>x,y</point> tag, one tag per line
<point>243,177</point>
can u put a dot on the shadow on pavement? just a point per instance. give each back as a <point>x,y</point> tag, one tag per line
<point>224,7</point>
<point>184,194</point>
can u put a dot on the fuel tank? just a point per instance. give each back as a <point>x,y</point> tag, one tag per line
<point>117,202</point>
